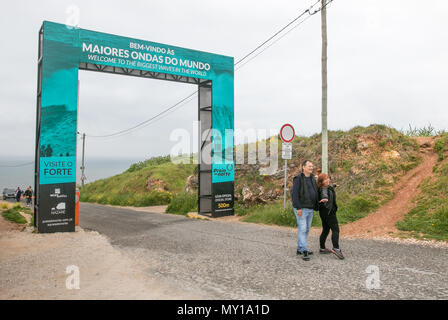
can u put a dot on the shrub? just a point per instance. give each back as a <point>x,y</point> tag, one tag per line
<point>441,145</point>
<point>363,204</point>
<point>353,145</point>
<point>273,214</point>
<point>150,162</point>
<point>241,210</point>
<point>426,131</point>
<point>182,203</point>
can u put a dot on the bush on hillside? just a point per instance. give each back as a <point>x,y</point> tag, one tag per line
<point>183,202</point>
<point>441,146</point>
<point>147,163</point>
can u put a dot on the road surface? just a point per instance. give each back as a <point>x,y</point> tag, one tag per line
<point>231,260</point>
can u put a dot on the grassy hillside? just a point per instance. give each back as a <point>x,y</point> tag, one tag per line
<point>146,183</point>
<point>429,218</point>
<point>364,161</point>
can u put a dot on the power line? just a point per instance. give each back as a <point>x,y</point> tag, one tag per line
<point>18,165</point>
<point>183,101</point>
<point>278,32</point>
<point>283,35</point>
<point>274,42</point>
<point>144,122</point>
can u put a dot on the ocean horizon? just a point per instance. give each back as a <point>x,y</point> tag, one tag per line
<point>96,168</point>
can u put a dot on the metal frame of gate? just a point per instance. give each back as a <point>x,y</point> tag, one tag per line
<point>205,194</point>
<point>38,109</point>
<point>204,116</point>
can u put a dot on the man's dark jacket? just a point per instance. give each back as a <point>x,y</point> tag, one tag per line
<point>300,195</point>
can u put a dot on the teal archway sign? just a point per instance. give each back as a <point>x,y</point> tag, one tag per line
<point>63,51</point>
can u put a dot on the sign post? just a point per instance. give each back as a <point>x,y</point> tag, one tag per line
<point>287,134</point>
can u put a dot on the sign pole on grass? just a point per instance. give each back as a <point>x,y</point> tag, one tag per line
<point>287,134</point>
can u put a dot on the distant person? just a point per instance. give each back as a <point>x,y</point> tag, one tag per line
<point>48,151</point>
<point>28,195</point>
<point>304,196</point>
<point>18,194</point>
<point>327,212</point>
<point>43,150</point>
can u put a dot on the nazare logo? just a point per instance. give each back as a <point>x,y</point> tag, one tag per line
<point>59,209</point>
<point>61,206</point>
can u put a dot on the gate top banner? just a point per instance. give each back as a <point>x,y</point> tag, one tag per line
<point>65,48</point>
<point>112,50</point>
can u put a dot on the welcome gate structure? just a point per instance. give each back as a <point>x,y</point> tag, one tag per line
<point>63,51</point>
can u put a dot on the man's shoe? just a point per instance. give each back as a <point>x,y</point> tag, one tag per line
<point>306,256</point>
<point>310,252</point>
<point>324,251</point>
<point>298,252</point>
<point>338,253</point>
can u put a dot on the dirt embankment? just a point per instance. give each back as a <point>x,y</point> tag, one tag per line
<point>382,222</point>
<point>33,266</point>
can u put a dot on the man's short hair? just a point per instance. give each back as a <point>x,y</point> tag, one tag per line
<point>305,162</point>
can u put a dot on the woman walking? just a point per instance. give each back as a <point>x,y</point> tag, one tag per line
<point>327,212</point>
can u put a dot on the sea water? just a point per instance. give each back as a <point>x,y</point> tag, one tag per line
<point>96,168</point>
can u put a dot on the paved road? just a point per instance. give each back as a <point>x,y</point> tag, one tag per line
<point>224,260</point>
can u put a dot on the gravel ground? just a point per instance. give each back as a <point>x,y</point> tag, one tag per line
<point>33,266</point>
<point>227,260</point>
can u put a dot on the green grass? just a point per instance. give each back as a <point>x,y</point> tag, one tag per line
<point>129,187</point>
<point>363,174</point>
<point>441,146</point>
<point>425,131</point>
<point>147,163</point>
<point>182,203</point>
<point>359,164</point>
<point>13,214</point>
<point>272,214</point>
<point>349,209</point>
<point>429,218</point>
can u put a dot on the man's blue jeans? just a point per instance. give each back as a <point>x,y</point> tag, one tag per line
<point>304,225</point>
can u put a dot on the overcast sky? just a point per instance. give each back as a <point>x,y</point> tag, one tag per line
<point>387,63</point>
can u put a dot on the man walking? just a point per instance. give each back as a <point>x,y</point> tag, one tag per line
<point>18,194</point>
<point>304,198</point>
<point>28,195</point>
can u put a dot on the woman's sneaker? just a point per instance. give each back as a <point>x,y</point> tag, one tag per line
<point>324,251</point>
<point>338,253</point>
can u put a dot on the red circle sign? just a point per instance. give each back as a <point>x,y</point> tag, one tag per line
<point>287,132</point>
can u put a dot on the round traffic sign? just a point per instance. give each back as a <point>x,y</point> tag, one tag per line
<point>287,132</point>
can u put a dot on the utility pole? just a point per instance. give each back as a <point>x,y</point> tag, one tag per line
<point>324,88</point>
<point>83,166</point>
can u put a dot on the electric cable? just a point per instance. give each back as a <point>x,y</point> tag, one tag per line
<point>188,98</point>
